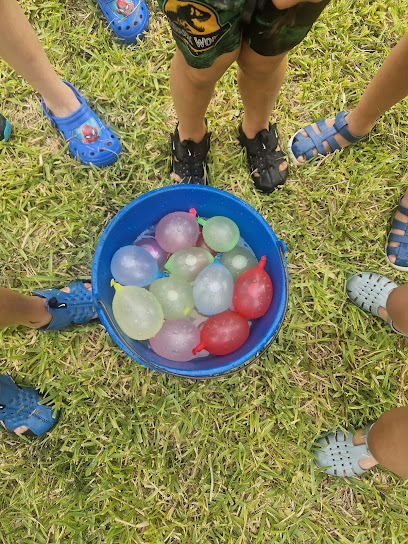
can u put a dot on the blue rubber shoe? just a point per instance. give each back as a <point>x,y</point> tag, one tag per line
<point>66,308</point>
<point>128,20</point>
<point>338,456</point>
<point>89,139</point>
<point>300,145</point>
<point>21,406</point>
<point>5,129</point>
<point>401,252</point>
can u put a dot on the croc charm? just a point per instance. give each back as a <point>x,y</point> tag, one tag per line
<point>128,20</point>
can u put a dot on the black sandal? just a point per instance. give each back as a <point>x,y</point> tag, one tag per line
<point>188,158</point>
<point>264,159</point>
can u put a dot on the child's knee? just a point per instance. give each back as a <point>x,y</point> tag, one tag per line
<point>258,66</point>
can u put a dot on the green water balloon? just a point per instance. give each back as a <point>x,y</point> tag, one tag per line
<point>137,311</point>
<point>175,296</point>
<point>187,263</point>
<point>238,260</point>
<point>220,233</point>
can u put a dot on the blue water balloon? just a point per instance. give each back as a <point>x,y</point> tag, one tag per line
<point>133,265</point>
<point>213,289</point>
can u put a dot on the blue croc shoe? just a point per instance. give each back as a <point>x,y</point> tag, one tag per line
<point>401,252</point>
<point>5,128</point>
<point>300,145</point>
<point>128,20</point>
<point>338,456</point>
<point>21,407</point>
<point>89,139</point>
<point>66,308</point>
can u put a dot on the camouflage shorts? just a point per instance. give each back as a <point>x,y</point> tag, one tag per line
<point>204,30</point>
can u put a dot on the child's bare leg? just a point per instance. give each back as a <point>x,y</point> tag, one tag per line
<point>18,309</point>
<point>29,311</point>
<point>259,80</point>
<point>389,86</point>
<point>192,89</point>
<point>20,48</point>
<point>388,441</point>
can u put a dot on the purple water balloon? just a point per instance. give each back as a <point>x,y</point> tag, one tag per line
<point>175,340</point>
<point>151,246</point>
<point>177,230</point>
<point>132,265</point>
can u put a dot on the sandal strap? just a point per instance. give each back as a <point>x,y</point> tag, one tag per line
<point>189,158</point>
<point>305,146</point>
<point>21,406</point>
<point>66,308</point>
<point>401,251</point>
<point>341,125</point>
<point>264,159</point>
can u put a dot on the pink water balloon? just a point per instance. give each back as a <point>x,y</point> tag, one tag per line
<point>223,333</point>
<point>201,243</point>
<point>151,246</point>
<point>253,292</point>
<point>177,230</point>
<point>175,340</point>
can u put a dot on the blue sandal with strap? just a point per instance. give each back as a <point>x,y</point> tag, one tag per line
<point>300,145</point>
<point>20,406</point>
<point>401,252</point>
<point>66,308</point>
<point>128,20</point>
<point>89,140</point>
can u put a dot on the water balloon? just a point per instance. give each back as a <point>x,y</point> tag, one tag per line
<point>223,333</point>
<point>151,246</point>
<point>220,233</point>
<point>137,312</point>
<point>175,340</point>
<point>187,263</point>
<point>175,296</point>
<point>253,292</point>
<point>213,289</point>
<point>133,265</point>
<point>238,260</point>
<point>177,230</point>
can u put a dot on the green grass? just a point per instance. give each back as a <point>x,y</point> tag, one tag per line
<point>139,457</point>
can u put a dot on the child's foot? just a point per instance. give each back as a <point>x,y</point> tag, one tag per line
<point>344,455</point>
<point>56,309</point>
<point>397,244</point>
<point>189,159</point>
<point>325,137</point>
<point>266,160</point>
<point>89,140</point>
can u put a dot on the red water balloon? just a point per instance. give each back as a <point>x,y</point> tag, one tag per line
<point>223,333</point>
<point>253,292</point>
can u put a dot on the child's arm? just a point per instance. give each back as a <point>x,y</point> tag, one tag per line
<point>284,4</point>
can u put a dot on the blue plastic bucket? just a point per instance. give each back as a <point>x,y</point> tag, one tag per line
<point>147,210</point>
